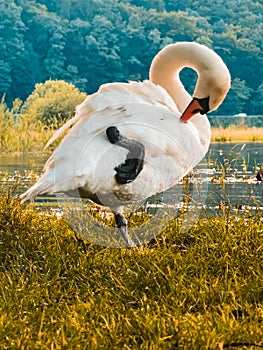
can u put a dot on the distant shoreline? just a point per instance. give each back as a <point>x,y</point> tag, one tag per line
<point>36,140</point>
<point>236,134</point>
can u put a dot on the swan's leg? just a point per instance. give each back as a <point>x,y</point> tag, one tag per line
<point>130,169</point>
<point>121,222</point>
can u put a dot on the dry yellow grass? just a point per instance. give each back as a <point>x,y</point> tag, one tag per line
<point>233,133</point>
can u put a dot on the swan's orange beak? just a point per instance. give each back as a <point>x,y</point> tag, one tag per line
<point>197,105</point>
<point>193,108</point>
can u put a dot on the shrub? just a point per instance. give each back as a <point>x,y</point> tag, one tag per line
<point>52,102</point>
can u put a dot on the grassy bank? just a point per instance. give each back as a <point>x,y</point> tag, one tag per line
<point>33,141</point>
<point>60,292</point>
<point>237,134</point>
<point>24,133</point>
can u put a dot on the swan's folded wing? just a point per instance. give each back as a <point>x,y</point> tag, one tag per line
<point>116,94</point>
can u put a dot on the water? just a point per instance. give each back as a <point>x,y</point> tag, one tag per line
<point>233,168</point>
<point>20,163</point>
<point>226,176</point>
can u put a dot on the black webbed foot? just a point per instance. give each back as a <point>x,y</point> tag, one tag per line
<point>133,165</point>
<point>128,171</point>
<point>113,134</point>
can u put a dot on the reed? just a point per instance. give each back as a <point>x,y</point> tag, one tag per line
<point>237,134</point>
<point>21,133</point>
<point>24,132</point>
<point>25,136</point>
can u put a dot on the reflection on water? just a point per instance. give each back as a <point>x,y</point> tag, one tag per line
<point>227,176</point>
<point>20,163</point>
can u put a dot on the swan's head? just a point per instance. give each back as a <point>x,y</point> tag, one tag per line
<point>213,80</point>
<point>211,89</point>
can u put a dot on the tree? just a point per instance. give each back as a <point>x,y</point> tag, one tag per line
<point>256,104</point>
<point>237,97</point>
<point>12,46</point>
<point>88,45</point>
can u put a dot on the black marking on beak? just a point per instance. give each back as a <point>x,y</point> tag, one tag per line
<point>197,105</point>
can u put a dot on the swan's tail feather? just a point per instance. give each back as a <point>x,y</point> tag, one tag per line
<point>32,192</point>
<point>43,186</point>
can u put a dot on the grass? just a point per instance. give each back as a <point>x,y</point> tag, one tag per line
<point>61,292</point>
<point>237,134</point>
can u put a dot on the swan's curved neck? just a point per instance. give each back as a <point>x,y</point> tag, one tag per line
<point>168,63</point>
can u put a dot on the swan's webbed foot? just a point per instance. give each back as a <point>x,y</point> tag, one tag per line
<point>121,222</point>
<point>113,134</point>
<point>128,171</point>
<point>133,165</point>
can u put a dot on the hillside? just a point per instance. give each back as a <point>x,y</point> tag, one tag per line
<point>88,43</point>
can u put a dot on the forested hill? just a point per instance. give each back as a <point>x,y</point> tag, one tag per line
<point>90,42</point>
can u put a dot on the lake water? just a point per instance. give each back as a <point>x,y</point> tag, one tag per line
<point>226,176</point>
<point>237,186</point>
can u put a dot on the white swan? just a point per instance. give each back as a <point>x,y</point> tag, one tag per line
<point>132,140</point>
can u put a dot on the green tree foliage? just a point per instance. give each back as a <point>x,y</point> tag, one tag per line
<point>237,97</point>
<point>11,46</point>
<point>52,102</point>
<point>88,43</point>
<point>257,100</point>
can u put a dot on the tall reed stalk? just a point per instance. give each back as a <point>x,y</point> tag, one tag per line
<point>21,132</point>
